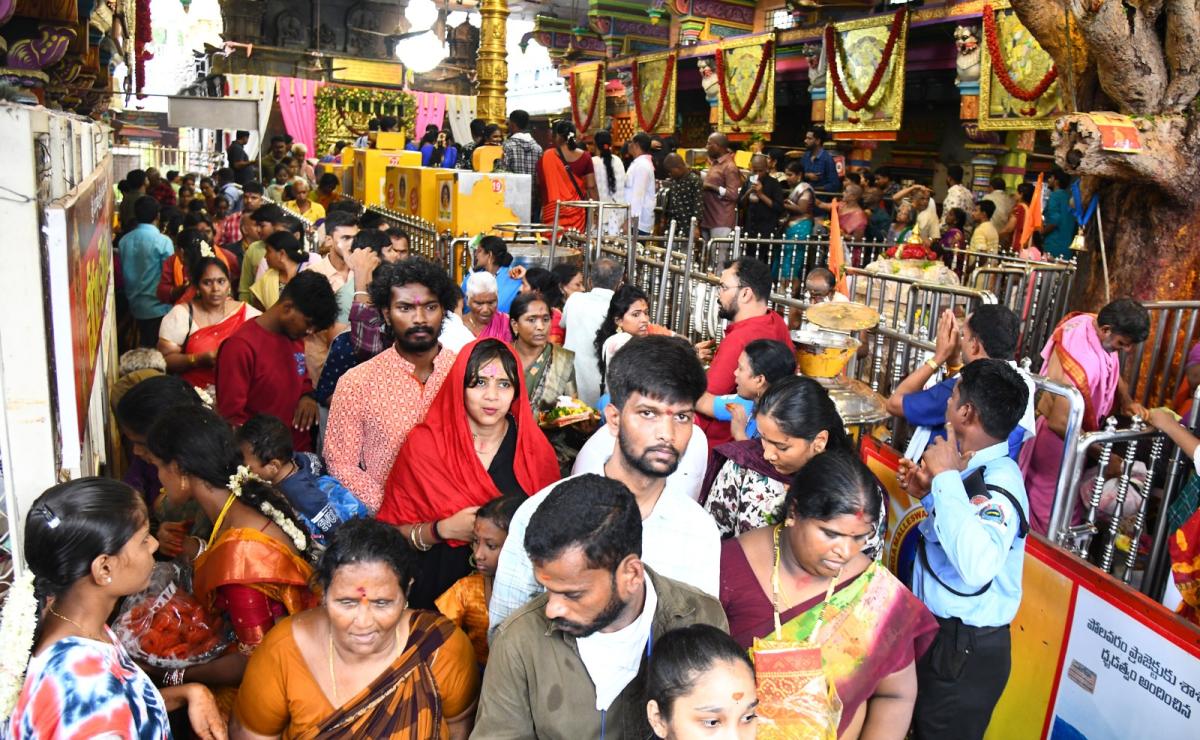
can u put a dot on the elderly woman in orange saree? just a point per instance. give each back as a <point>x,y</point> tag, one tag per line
<point>362,664</point>
<point>256,565</point>
<point>566,172</point>
<point>834,636</point>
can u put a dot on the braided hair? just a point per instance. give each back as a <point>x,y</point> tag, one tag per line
<point>202,445</point>
<point>604,142</point>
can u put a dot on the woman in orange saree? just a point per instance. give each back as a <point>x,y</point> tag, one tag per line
<point>834,636</point>
<point>362,664</point>
<point>567,174</point>
<point>255,566</point>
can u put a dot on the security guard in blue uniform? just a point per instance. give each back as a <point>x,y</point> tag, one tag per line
<point>970,554</point>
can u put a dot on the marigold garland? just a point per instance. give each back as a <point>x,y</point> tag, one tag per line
<point>1000,67</point>
<point>649,127</point>
<point>742,112</point>
<point>580,124</point>
<point>834,50</point>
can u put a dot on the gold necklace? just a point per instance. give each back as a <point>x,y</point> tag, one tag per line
<point>777,587</point>
<point>221,518</point>
<point>86,633</point>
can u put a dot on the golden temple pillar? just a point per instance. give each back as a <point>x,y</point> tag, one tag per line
<point>492,65</point>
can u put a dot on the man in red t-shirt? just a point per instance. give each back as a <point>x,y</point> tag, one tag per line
<point>742,298</point>
<point>260,367</point>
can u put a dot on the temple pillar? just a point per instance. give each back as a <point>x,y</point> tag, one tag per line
<point>492,65</point>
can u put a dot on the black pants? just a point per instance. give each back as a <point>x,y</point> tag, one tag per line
<point>148,332</point>
<point>960,680</point>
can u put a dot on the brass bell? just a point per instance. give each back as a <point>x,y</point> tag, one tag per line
<point>1078,244</point>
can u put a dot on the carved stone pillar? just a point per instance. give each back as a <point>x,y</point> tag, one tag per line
<point>492,65</point>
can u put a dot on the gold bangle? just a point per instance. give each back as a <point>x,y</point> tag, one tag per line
<point>932,364</point>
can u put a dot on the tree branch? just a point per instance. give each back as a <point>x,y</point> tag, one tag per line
<point>1165,162</point>
<point>1128,54</point>
<point>1183,54</point>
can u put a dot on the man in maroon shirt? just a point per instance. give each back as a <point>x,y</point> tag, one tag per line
<point>260,367</point>
<point>742,298</point>
<point>722,182</point>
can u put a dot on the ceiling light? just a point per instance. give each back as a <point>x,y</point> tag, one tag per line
<point>456,18</point>
<point>421,14</point>
<point>421,54</point>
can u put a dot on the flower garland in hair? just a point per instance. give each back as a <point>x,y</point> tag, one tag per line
<point>18,621</point>
<point>741,113</point>
<point>662,95</point>
<point>206,250</point>
<point>1000,67</point>
<point>580,123</point>
<point>244,474</point>
<point>206,398</point>
<point>834,51</point>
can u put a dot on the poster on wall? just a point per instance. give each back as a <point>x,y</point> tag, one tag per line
<point>79,261</point>
<point>1018,82</point>
<point>1117,672</point>
<point>864,74</point>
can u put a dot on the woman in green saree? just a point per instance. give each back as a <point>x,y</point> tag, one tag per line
<point>549,369</point>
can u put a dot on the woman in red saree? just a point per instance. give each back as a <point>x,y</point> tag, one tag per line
<point>192,332</point>
<point>566,172</point>
<point>479,440</point>
<point>834,636</point>
<point>256,565</point>
<point>174,284</point>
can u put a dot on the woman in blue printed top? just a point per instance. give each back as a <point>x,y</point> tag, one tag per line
<point>87,545</point>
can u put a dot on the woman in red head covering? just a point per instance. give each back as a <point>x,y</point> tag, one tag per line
<point>479,440</point>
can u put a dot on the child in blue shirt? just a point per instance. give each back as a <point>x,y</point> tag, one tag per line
<point>763,362</point>
<point>322,502</point>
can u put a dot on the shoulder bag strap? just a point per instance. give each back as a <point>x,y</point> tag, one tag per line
<point>578,190</point>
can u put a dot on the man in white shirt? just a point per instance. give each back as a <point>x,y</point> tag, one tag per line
<point>655,382</point>
<point>1004,203</point>
<point>583,314</point>
<point>639,183</point>
<point>958,195</point>
<point>688,477</point>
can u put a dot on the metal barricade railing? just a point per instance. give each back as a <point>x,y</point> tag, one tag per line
<point>1158,365</point>
<point>423,237</point>
<point>1176,475</point>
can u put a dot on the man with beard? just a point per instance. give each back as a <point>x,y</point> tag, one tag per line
<point>654,382</point>
<point>742,301</point>
<point>377,403</point>
<point>261,367</point>
<point>571,663</point>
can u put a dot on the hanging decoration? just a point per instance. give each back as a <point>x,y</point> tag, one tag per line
<point>660,87</point>
<point>1018,82</point>
<point>142,36</point>
<point>837,52</point>
<point>746,73</point>
<point>591,89</point>
<point>343,112</point>
<point>864,68</point>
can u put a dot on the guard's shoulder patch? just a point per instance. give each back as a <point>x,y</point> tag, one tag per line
<point>993,513</point>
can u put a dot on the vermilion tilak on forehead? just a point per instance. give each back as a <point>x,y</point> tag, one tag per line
<point>491,370</point>
<point>737,695</point>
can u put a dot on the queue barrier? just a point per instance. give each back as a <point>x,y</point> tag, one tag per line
<point>1158,366</point>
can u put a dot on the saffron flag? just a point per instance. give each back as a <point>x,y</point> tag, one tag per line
<point>837,255</point>
<point>1033,219</point>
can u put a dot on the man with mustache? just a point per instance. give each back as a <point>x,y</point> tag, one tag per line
<point>378,402</point>
<point>571,663</point>
<point>654,383</point>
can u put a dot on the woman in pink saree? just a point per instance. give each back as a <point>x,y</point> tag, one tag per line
<point>483,317</point>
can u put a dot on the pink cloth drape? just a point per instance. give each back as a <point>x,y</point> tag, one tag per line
<point>431,109</point>
<point>298,104</point>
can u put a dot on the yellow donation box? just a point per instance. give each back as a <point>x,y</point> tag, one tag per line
<point>480,200</point>
<point>370,172</point>
<point>413,190</point>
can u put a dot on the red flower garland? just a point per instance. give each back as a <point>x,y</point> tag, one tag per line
<point>662,96</point>
<point>831,53</point>
<point>142,35</point>
<point>581,125</point>
<point>741,113</point>
<point>1000,67</point>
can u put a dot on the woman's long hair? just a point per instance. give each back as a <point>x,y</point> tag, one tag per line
<point>566,129</point>
<point>202,445</point>
<point>622,301</point>
<point>603,140</point>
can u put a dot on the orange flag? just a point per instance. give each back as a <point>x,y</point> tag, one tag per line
<point>837,255</point>
<point>1033,218</point>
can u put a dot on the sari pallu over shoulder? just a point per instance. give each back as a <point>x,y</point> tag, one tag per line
<point>403,702</point>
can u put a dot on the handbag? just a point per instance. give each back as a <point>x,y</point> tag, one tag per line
<point>796,698</point>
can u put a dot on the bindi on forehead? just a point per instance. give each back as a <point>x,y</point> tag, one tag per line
<point>737,695</point>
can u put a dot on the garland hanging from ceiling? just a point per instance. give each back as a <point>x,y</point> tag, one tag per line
<point>1000,66</point>
<point>835,53</point>
<point>651,125</point>
<point>583,125</point>
<point>751,97</point>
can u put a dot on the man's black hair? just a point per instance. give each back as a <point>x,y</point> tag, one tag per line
<point>1062,178</point>
<point>135,179</point>
<point>145,209</point>
<point>998,394</point>
<point>242,135</point>
<point>171,175</point>
<point>643,142</point>
<point>373,239</point>
<point>998,183</point>
<point>663,368</point>
<point>955,172</point>
<point>597,514</point>
<point>335,220</point>
<point>520,119</point>
<point>1126,317</point>
<point>997,329</point>
<point>369,220</point>
<point>277,138</point>
<point>312,295</point>
<point>398,233</point>
<point>254,186</point>
<point>268,437</point>
<point>329,181</point>
<point>477,127</point>
<point>406,272</point>
<point>753,274</point>
<point>269,213</point>
<point>225,175</point>
<point>818,131</point>
<point>988,208</point>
